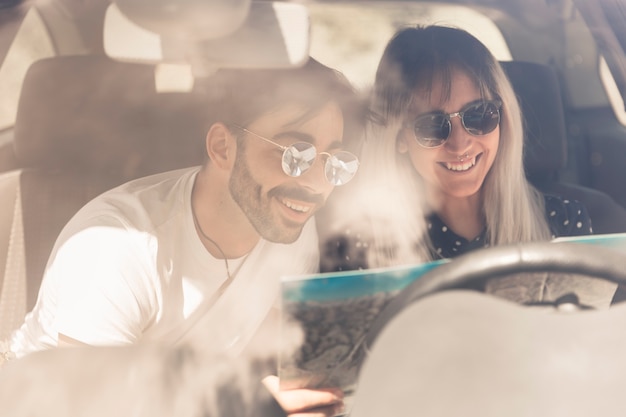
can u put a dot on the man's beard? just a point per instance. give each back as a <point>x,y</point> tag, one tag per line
<point>248,194</point>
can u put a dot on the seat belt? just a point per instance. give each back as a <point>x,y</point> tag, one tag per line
<point>13,282</point>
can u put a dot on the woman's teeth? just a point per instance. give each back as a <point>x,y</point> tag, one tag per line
<point>461,166</point>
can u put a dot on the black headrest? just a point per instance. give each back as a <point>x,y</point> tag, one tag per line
<point>537,89</point>
<point>90,113</point>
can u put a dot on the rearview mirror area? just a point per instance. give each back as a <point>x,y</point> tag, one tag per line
<point>190,19</point>
<point>273,35</point>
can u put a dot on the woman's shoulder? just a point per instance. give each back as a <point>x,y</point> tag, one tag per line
<point>567,217</point>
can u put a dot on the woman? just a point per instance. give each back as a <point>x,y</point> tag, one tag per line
<point>444,156</point>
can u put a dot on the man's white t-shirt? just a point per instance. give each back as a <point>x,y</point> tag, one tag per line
<point>130,266</point>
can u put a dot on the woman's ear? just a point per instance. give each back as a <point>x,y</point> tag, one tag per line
<point>221,146</point>
<point>401,145</point>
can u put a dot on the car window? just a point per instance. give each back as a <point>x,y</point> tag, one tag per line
<point>617,102</point>
<point>351,37</point>
<point>602,24</point>
<point>31,44</point>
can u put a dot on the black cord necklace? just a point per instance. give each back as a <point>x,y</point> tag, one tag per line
<point>207,304</point>
<point>204,235</point>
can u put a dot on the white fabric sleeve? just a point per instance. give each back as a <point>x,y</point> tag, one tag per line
<point>105,284</point>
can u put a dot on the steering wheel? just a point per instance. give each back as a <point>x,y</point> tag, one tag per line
<point>501,261</point>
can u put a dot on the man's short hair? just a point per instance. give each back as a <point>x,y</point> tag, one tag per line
<point>243,95</point>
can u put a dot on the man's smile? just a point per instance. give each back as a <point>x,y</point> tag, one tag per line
<point>300,207</point>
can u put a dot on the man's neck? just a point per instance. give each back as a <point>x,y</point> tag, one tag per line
<point>221,225</point>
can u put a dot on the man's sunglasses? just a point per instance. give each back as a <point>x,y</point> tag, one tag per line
<point>339,168</point>
<point>478,118</point>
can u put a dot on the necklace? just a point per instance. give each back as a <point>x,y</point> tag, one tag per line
<point>207,304</point>
<point>204,235</point>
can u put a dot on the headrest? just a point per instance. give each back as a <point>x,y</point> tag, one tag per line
<point>92,114</point>
<point>538,91</point>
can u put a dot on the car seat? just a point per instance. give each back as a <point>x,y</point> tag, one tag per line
<point>538,91</point>
<point>84,125</point>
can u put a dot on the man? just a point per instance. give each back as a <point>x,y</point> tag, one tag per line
<point>198,251</point>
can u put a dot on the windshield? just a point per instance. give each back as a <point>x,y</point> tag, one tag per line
<point>152,190</point>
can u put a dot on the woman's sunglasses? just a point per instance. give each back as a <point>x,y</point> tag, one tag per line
<point>478,118</point>
<point>339,168</point>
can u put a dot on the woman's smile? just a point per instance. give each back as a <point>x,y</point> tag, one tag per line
<point>463,165</point>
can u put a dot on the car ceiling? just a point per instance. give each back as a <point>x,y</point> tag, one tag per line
<point>539,13</point>
<point>533,29</point>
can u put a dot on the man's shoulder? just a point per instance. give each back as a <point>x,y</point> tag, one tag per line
<point>160,182</point>
<point>143,203</point>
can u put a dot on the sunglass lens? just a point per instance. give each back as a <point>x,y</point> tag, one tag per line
<point>431,129</point>
<point>297,158</point>
<point>341,167</point>
<point>482,118</point>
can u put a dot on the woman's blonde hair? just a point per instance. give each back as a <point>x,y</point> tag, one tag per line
<point>414,58</point>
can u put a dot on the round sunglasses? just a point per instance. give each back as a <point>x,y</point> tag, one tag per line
<point>339,168</point>
<point>478,118</point>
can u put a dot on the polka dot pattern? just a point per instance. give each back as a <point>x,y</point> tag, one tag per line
<point>349,251</point>
<point>565,218</point>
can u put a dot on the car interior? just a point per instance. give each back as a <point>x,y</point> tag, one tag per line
<point>494,357</point>
<point>538,91</point>
<point>76,137</point>
<point>71,153</point>
<point>96,93</point>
